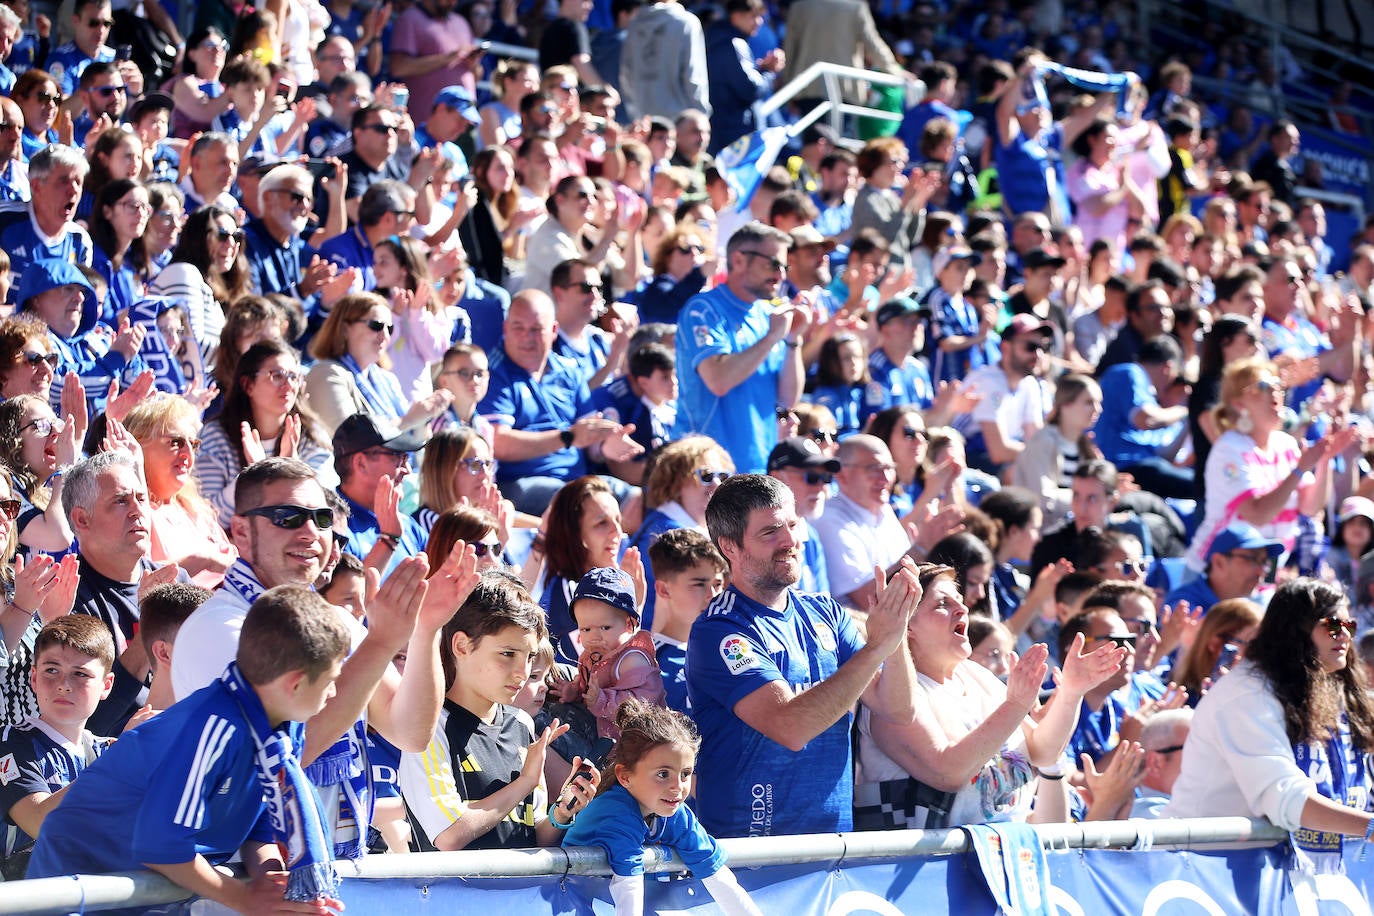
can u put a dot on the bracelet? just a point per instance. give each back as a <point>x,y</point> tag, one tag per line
<point>10,604</point>
<point>791,344</point>
<point>55,475</point>
<point>1044,774</point>
<point>553,820</point>
<point>392,540</point>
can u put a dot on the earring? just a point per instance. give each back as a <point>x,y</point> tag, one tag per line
<point>1244,424</point>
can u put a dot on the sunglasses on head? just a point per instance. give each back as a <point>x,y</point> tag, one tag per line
<point>1338,625</point>
<point>293,517</point>
<point>33,359</point>
<point>708,476</point>
<point>374,324</point>
<point>481,549</point>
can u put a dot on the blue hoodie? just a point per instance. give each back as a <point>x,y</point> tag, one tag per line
<point>87,351</point>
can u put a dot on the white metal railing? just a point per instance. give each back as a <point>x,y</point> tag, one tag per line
<point>833,105</point>
<point>92,893</point>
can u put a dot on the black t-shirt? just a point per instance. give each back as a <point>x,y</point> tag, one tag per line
<point>362,176</point>
<point>563,40</point>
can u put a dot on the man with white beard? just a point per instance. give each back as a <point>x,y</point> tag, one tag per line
<point>273,241</point>
<point>799,463</point>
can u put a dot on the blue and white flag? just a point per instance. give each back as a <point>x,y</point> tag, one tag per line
<point>744,162</point>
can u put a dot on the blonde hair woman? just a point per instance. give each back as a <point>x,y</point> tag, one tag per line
<point>183,527</point>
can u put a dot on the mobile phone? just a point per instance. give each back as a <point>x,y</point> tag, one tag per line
<point>400,97</point>
<point>124,52</point>
<point>320,168</point>
<point>1227,659</point>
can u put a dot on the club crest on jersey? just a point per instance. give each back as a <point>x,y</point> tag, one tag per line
<point>825,637</point>
<point>738,655</point>
<point>9,770</point>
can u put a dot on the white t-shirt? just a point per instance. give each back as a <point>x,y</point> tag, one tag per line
<point>1237,473</point>
<point>1013,410</point>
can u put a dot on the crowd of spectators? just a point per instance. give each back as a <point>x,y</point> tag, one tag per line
<point>937,479</point>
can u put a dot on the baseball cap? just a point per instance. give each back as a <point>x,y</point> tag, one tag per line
<point>807,235</point>
<point>816,132</point>
<point>899,308</point>
<point>800,452</point>
<point>948,255</point>
<point>1026,324</point>
<point>153,101</point>
<point>361,431</point>
<point>1355,507</point>
<point>1242,536</point>
<point>1039,257</point>
<point>609,585</point>
<point>460,100</point>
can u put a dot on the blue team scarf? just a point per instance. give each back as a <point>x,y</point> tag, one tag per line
<point>344,764</point>
<point>1014,867</point>
<point>291,802</point>
<point>380,399</point>
<point>1339,773</point>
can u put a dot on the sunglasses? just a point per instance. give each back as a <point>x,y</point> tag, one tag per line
<point>375,325</point>
<point>773,263</point>
<point>1268,385</point>
<point>1036,347</point>
<point>823,435</point>
<point>1337,625</point>
<point>708,476</point>
<point>380,128</point>
<point>225,235</point>
<point>293,517</point>
<point>481,549</point>
<point>478,465</point>
<point>33,359</point>
<point>1139,626</point>
<point>45,427</point>
<point>178,443</point>
<point>10,507</point>
<point>912,433</point>
<point>691,249</point>
<point>282,376</point>
<point>214,44</point>
<point>1121,642</point>
<point>107,91</point>
<point>815,477</point>
<point>47,98</point>
<point>296,196</point>
<point>586,288</point>
<point>1132,566</point>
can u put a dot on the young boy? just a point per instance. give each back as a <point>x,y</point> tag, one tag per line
<point>246,81</point>
<point>480,783</point>
<point>217,755</point>
<point>161,613</point>
<point>688,573</point>
<point>646,396</point>
<point>73,671</point>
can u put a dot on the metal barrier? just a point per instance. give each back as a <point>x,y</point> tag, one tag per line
<point>93,893</point>
<point>833,106</point>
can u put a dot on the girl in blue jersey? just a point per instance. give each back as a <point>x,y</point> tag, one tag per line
<point>643,799</point>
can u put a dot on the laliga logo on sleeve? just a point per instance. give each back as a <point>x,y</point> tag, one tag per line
<point>738,654</point>
<point>9,770</point>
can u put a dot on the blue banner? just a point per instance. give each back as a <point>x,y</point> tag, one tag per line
<point>1085,883</point>
<point>1343,170</point>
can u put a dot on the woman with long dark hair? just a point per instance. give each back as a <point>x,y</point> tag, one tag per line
<point>263,415</point>
<point>1286,734</point>
<point>209,271</point>
<point>1231,339</point>
<point>491,232</point>
<point>118,219</point>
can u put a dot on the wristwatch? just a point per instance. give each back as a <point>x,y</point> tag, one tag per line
<point>566,437</point>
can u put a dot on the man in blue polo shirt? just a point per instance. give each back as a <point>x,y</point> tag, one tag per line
<point>386,210</point>
<point>453,116</point>
<point>365,454</point>
<point>731,342</point>
<point>91,24</point>
<point>536,402</point>
<point>1238,560</point>
<point>773,674</point>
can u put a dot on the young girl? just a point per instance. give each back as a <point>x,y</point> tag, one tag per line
<point>424,325</point>
<point>618,660</point>
<point>1354,532</point>
<point>843,384</point>
<point>643,799</point>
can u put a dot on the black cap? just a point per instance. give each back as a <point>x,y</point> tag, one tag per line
<point>816,132</point>
<point>899,308</point>
<point>361,432</point>
<point>1039,257</point>
<point>800,452</point>
<point>153,101</point>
